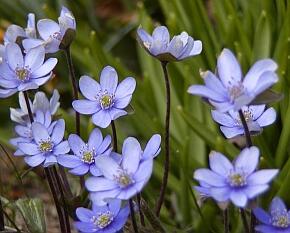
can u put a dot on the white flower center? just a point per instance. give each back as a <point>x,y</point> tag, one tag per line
<point>237,179</point>
<point>248,115</point>
<point>88,157</point>
<point>46,145</point>
<point>23,73</point>
<point>280,219</point>
<point>235,89</point>
<point>56,35</point>
<point>124,179</point>
<point>103,219</point>
<point>106,99</point>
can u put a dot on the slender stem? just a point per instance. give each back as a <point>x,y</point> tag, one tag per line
<point>74,87</point>
<point>28,106</point>
<point>167,137</point>
<point>245,221</point>
<point>60,212</point>
<point>247,132</point>
<point>132,213</point>
<point>65,183</point>
<point>64,204</point>
<point>12,222</point>
<point>142,220</point>
<point>48,174</point>
<point>226,221</point>
<point>114,132</point>
<point>249,144</point>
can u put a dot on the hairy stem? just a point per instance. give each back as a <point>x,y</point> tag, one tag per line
<point>132,214</point>
<point>167,137</point>
<point>249,144</point>
<point>115,140</point>
<point>245,221</point>
<point>2,223</point>
<point>74,87</point>
<point>52,185</point>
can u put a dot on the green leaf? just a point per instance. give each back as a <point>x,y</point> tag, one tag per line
<point>32,212</point>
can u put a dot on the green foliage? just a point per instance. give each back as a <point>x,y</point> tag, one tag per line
<point>33,214</point>
<point>253,29</point>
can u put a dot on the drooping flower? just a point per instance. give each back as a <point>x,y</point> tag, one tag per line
<point>160,46</point>
<point>14,31</point>
<point>103,219</point>
<point>276,221</point>
<point>24,132</point>
<point>237,182</point>
<point>45,146</point>
<point>105,101</point>
<point>228,90</point>
<point>255,116</point>
<point>124,180</point>
<point>21,73</point>
<point>51,33</point>
<point>83,159</point>
<point>40,103</point>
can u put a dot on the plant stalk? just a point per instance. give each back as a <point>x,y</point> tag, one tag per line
<point>133,218</point>
<point>115,140</point>
<point>249,144</point>
<point>245,221</point>
<point>167,138</point>
<point>74,87</point>
<point>52,185</point>
<point>226,221</point>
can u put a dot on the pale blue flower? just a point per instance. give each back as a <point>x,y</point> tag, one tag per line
<point>228,90</point>
<point>238,181</point>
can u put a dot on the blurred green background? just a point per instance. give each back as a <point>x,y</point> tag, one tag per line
<point>106,34</point>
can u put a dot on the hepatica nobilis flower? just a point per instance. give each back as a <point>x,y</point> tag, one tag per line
<point>109,218</point>
<point>45,146</point>
<point>21,73</point>
<point>160,46</point>
<point>106,100</point>
<point>24,132</point>
<point>124,180</point>
<point>276,221</point>
<point>255,116</point>
<point>40,103</point>
<point>51,33</point>
<point>228,90</point>
<point>83,159</point>
<point>237,181</point>
<point>14,32</point>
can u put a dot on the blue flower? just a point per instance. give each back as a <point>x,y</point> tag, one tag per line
<point>255,116</point>
<point>83,159</point>
<point>276,221</point>
<point>40,103</point>
<point>14,31</point>
<point>103,219</point>
<point>45,146</point>
<point>24,132</point>
<point>237,182</point>
<point>105,101</point>
<point>228,90</point>
<point>159,45</point>
<point>51,33</point>
<point>124,180</point>
<point>21,73</point>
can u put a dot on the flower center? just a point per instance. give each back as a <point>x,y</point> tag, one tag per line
<point>280,219</point>
<point>103,219</point>
<point>237,179</point>
<point>106,100</point>
<point>46,146</point>
<point>236,89</point>
<point>88,157</point>
<point>56,35</point>
<point>22,73</point>
<point>124,179</point>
